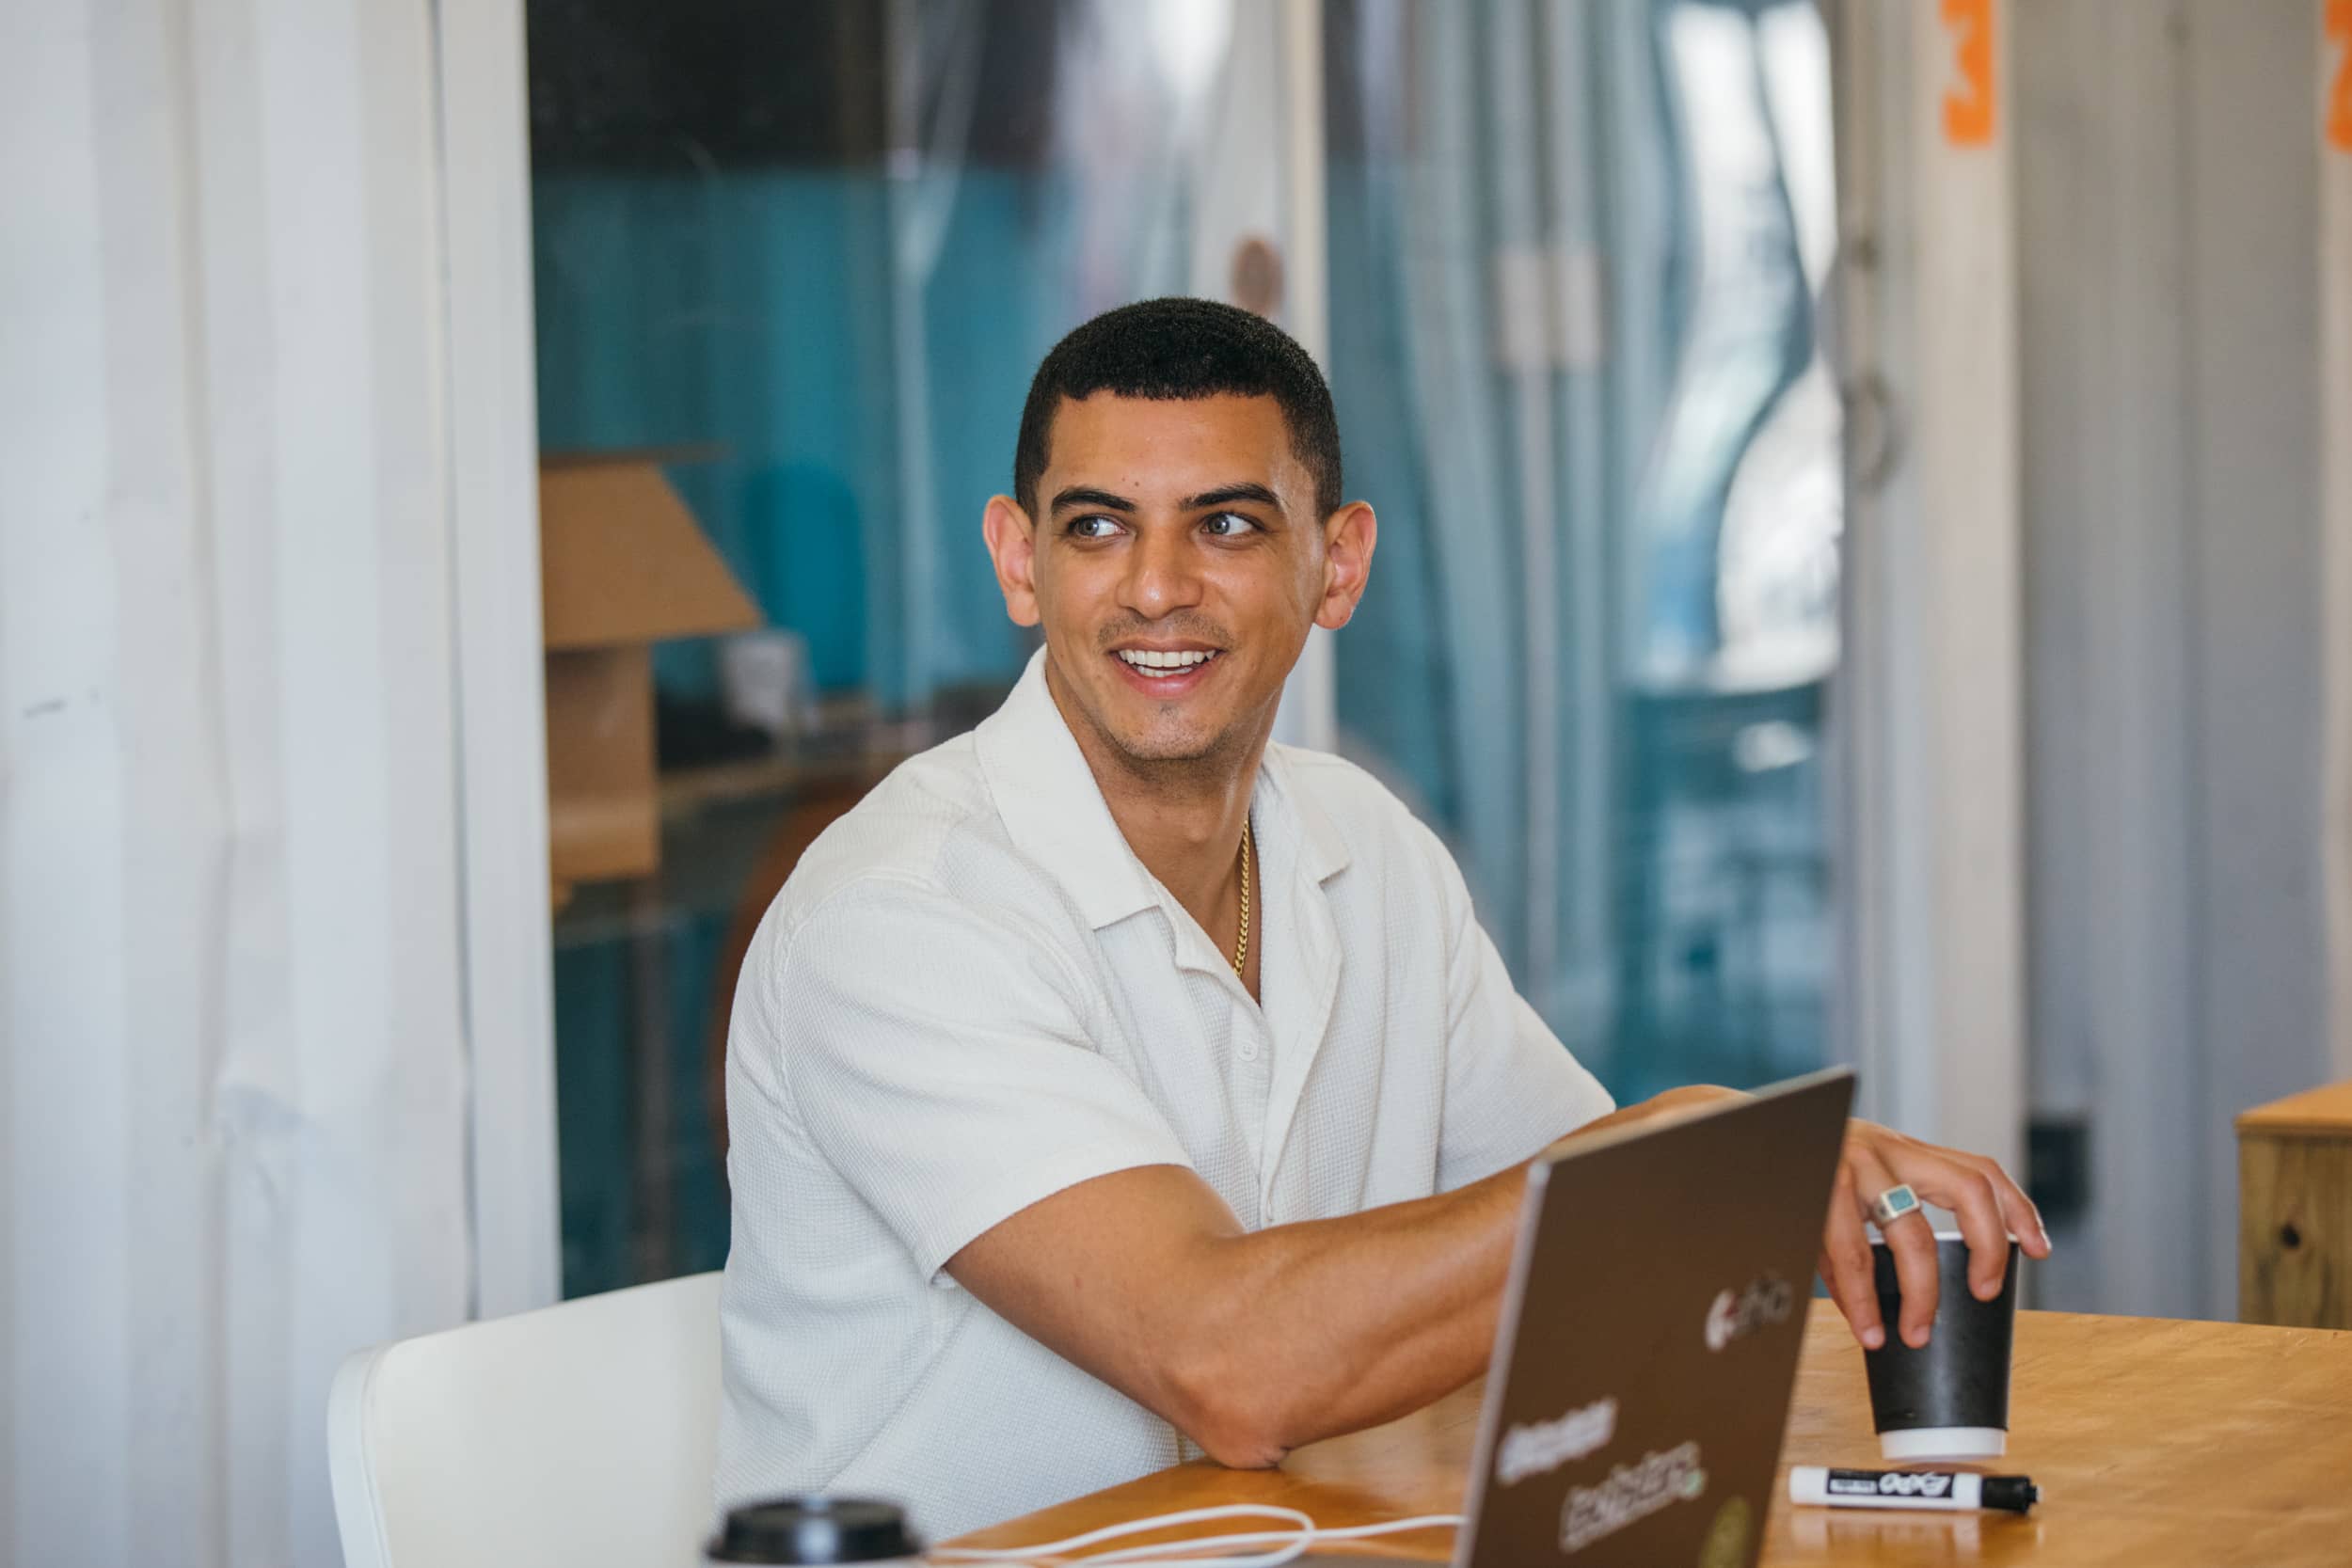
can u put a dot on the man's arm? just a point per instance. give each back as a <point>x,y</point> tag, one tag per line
<point>1253,1343</point>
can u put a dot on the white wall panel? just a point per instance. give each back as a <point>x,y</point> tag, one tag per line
<point>2109,594</point>
<point>2253,314</point>
<point>491,418</point>
<point>1929,697</point>
<point>2333,118</point>
<point>2177,630</point>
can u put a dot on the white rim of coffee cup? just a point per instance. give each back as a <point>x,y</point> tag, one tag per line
<point>1917,1443</point>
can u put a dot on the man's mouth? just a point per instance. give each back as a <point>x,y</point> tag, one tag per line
<point>1170,669</point>
<point>1148,661</point>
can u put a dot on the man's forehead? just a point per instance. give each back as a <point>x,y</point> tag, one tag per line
<point>1173,441</point>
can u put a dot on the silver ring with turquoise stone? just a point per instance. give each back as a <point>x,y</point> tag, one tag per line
<point>1893,1204</point>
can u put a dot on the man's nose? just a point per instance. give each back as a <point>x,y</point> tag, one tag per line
<point>1163,574</point>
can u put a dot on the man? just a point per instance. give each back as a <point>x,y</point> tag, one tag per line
<point>1111,1086</point>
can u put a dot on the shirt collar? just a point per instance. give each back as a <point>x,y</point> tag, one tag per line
<point>1052,806</point>
<point>1322,852</point>
<point>1054,809</point>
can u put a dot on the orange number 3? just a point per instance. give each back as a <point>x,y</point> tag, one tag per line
<point>1968,112</point>
<point>2339,126</point>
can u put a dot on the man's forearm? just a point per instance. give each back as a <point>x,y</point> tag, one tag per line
<point>1332,1325</point>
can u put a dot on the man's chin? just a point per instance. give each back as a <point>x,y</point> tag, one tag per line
<point>1156,743</point>
<point>1162,740</point>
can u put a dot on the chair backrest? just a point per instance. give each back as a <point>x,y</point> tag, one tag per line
<point>575,1436</point>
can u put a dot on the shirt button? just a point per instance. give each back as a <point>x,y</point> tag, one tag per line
<point>1246,1051</point>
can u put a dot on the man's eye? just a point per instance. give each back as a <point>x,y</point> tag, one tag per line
<point>1093,528</point>
<point>1229,525</point>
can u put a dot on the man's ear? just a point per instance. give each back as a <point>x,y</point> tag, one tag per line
<point>1012,545</point>
<point>1348,536</point>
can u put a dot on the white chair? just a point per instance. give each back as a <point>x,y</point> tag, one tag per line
<point>576,1436</point>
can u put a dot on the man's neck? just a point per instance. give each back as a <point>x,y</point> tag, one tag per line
<point>1183,818</point>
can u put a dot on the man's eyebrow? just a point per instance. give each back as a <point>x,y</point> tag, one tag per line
<point>1085,495</point>
<point>1232,493</point>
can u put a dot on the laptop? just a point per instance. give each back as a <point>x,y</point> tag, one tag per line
<point>1649,1343</point>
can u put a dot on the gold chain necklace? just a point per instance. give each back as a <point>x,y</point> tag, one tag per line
<point>1241,946</point>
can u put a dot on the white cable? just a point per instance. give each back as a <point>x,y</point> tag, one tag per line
<point>1314,1535</point>
<point>1136,1526</point>
<point>1295,1541</point>
<point>1112,1532</point>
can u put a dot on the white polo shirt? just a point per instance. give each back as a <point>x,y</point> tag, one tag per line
<point>971,995</point>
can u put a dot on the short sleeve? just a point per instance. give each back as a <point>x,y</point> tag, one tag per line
<point>1511,1087</point>
<point>937,1059</point>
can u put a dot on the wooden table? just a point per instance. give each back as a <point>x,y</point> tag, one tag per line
<point>2294,1210</point>
<point>2155,1442</point>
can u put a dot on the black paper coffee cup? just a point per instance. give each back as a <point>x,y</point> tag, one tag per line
<point>814,1531</point>
<point>1949,1398</point>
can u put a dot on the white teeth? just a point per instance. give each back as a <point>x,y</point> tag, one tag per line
<point>1152,662</point>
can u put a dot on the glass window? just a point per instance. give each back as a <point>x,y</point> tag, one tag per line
<point>796,265</point>
<point>1578,253</point>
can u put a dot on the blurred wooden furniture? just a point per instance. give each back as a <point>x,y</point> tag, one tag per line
<point>2155,1442</point>
<point>2295,1212</point>
<point>622,564</point>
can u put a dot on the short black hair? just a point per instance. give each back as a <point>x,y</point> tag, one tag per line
<point>1177,350</point>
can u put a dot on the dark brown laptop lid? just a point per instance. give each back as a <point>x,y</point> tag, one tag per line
<point>1642,1373</point>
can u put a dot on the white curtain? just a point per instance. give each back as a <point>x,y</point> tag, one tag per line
<point>233,1085</point>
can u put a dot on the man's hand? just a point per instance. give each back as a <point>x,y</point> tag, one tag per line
<point>1990,1207</point>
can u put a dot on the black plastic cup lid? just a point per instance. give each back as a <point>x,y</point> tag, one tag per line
<point>815,1530</point>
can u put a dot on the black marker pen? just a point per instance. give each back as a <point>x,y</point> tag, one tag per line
<point>1944,1489</point>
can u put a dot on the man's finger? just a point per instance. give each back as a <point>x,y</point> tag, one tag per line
<point>1969,1194</point>
<point>2023,1218</point>
<point>1846,1267</point>
<point>1912,1242</point>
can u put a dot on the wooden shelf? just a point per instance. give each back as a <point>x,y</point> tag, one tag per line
<point>2295,1210</point>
